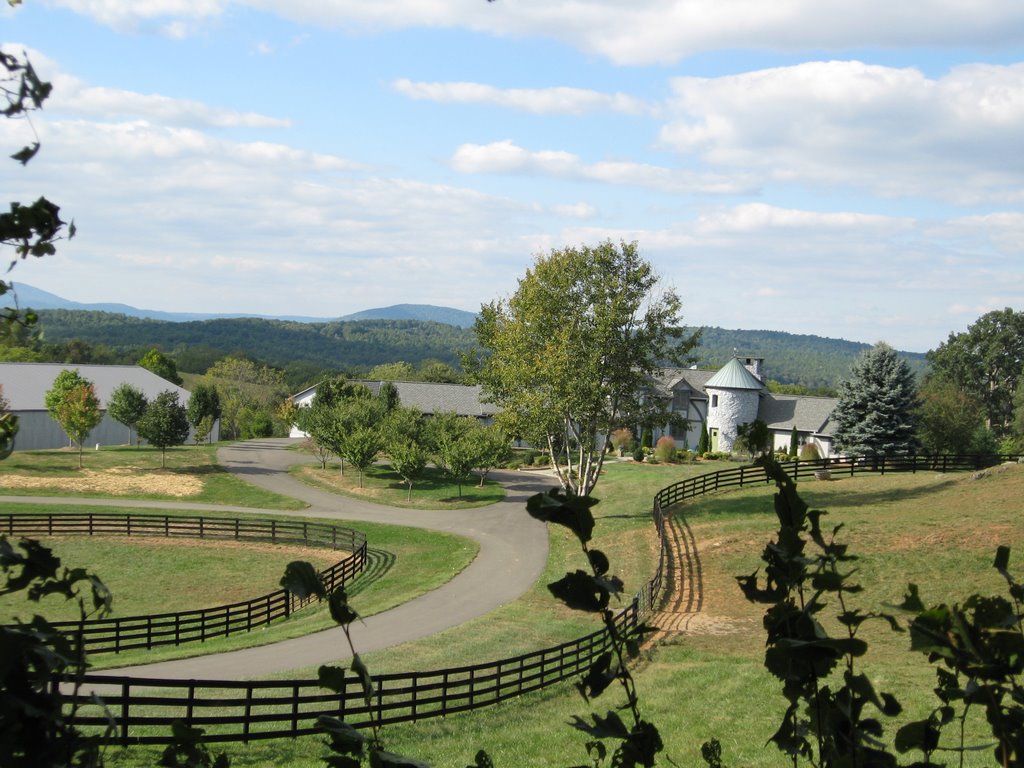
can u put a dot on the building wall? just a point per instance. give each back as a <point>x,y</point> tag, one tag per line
<point>38,431</point>
<point>735,407</point>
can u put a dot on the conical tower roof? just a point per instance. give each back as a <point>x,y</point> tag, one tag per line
<point>734,375</point>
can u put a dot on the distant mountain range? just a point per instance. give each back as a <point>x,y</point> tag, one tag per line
<point>406,332</point>
<point>36,298</point>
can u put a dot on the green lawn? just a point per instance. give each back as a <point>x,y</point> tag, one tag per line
<point>708,680</point>
<point>147,575</point>
<point>382,485</point>
<point>192,475</point>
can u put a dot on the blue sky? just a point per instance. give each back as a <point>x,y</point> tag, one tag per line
<point>844,169</point>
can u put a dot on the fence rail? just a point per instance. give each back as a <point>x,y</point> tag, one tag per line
<point>249,710</point>
<point>114,635</point>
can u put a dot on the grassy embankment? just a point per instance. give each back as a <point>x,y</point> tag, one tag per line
<point>939,531</point>
<point>708,681</point>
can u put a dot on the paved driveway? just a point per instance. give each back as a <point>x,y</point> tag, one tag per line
<point>513,551</point>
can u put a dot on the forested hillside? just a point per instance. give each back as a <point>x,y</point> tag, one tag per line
<point>358,345</point>
<point>812,361</point>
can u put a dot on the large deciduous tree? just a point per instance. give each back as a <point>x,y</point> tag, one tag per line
<point>569,356</point>
<point>165,423</point>
<point>949,419</point>
<point>246,390</point>
<point>157,362</point>
<point>875,414</point>
<point>986,362</point>
<point>127,404</point>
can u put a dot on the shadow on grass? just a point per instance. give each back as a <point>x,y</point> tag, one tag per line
<point>378,563</point>
<point>837,496</point>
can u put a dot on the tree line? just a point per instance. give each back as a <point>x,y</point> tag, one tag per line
<point>970,400</point>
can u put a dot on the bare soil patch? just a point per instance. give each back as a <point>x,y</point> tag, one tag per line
<point>116,481</point>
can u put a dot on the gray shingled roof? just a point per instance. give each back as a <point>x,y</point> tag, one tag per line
<point>430,397</point>
<point>25,384</point>
<point>734,375</point>
<point>807,414</point>
<point>668,380</point>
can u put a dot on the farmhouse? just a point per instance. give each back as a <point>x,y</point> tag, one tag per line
<point>25,386</point>
<point>723,400</point>
<point>428,397</point>
<point>735,395</point>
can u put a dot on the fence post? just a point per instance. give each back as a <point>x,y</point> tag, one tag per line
<point>125,689</point>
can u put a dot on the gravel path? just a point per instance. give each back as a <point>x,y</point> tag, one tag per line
<point>513,551</point>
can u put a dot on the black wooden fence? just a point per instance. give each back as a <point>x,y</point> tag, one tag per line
<point>113,635</point>
<point>142,709</point>
<point>229,710</point>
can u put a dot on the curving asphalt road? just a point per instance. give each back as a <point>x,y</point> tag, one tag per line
<point>513,551</point>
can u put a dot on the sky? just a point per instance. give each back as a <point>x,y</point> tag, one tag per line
<point>845,169</point>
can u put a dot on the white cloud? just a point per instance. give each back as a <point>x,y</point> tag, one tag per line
<point>637,32</point>
<point>541,101</point>
<point>73,97</point>
<point>126,14</point>
<point>895,132</point>
<point>509,158</point>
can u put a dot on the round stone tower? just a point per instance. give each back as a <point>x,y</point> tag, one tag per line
<point>734,395</point>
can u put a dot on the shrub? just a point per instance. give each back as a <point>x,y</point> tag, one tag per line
<point>638,454</point>
<point>622,439</point>
<point>809,452</point>
<point>665,449</point>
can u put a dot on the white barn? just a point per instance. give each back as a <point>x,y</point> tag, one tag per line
<point>25,386</point>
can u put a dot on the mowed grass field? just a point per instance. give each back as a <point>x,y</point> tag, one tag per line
<point>382,485</point>
<point>706,678</point>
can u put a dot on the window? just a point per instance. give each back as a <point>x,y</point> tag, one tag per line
<point>714,401</point>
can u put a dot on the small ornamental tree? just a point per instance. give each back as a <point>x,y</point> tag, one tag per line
<point>449,438</point>
<point>409,459</point>
<point>794,442</point>
<point>492,449</point>
<point>875,414</point>
<point>203,410</point>
<point>165,423</point>
<point>127,405</point>
<point>8,426</point>
<point>73,404</point>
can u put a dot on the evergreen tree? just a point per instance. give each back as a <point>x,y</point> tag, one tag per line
<point>127,405</point>
<point>875,414</point>
<point>794,442</point>
<point>704,444</point>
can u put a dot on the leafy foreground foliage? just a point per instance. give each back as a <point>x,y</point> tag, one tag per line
<point>35,729</point>
<point>835,717</point>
